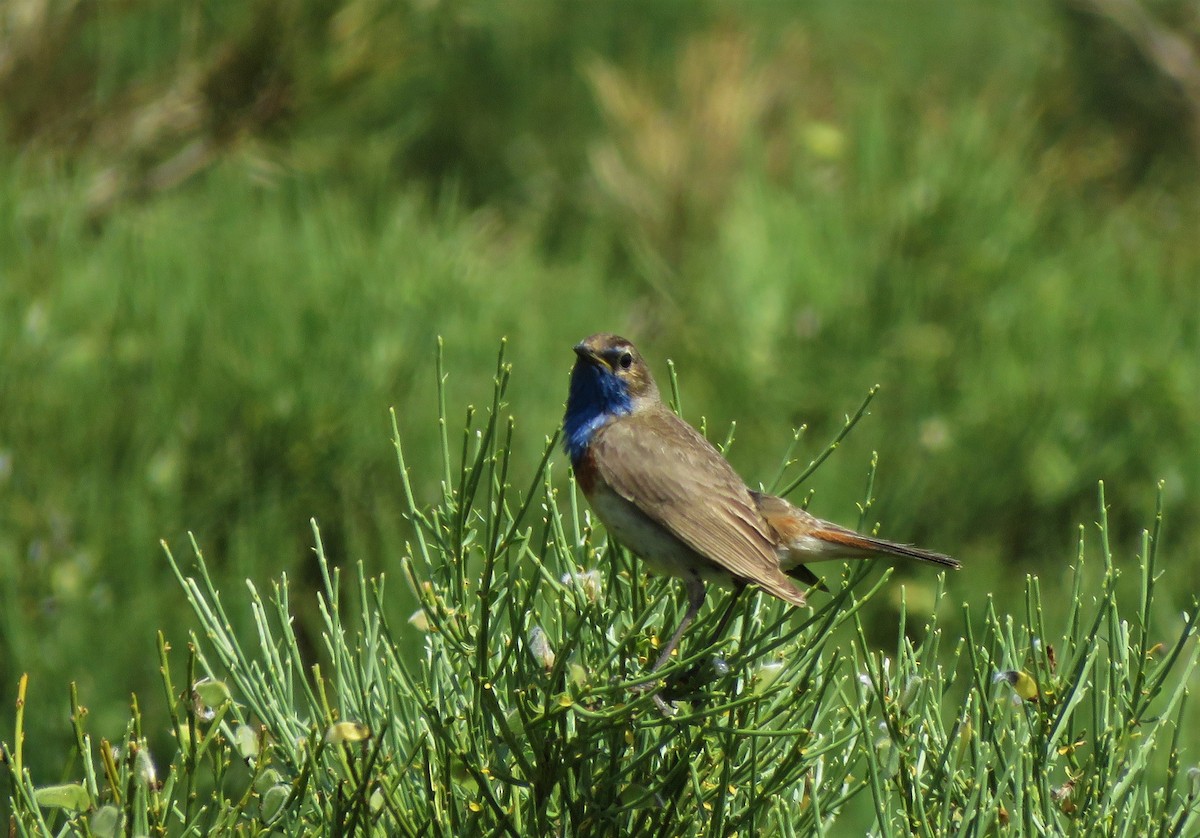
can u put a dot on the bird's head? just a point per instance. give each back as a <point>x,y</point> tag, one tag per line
<point>609,379</point>
<point>615,366</point>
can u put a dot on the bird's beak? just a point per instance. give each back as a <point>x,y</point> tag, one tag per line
<point>586,354</point>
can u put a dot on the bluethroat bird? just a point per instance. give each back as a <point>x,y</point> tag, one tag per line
<point>670,497</point>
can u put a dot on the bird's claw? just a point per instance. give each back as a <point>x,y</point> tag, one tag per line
<point>665,707</point>
<point>649,686</point>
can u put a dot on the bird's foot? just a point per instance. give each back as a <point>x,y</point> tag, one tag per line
<point>649,686</point>
<point>704,672</point>
<point>687,685</point>
<point>665,707</point>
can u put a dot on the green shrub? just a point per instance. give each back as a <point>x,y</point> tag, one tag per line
<point>517,715</point>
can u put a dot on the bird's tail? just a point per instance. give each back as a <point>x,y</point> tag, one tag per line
<point>806,539</point>
<point>856,544</point>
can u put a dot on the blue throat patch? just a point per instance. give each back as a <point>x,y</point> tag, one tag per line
<point>595,397</point>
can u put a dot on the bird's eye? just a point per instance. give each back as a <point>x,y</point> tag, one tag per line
<point>626,360</point>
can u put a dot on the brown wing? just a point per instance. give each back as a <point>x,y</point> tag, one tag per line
<point>658,462</point>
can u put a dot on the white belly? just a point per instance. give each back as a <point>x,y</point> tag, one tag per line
<point>659,549</point>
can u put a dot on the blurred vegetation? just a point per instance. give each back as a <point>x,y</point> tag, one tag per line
<point>230,232</point>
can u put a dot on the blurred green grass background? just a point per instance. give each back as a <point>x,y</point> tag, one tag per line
<point>230,233</point>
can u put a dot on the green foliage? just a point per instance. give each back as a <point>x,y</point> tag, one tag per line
<point>463,91</point>
<point>520,713</point>
<point>227,376</point>
<point>230,231</point>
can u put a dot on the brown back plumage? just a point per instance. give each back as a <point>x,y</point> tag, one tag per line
<point>658,462</point>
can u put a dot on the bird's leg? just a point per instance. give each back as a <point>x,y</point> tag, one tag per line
<point>695,592</point>
<point>722,625</point>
